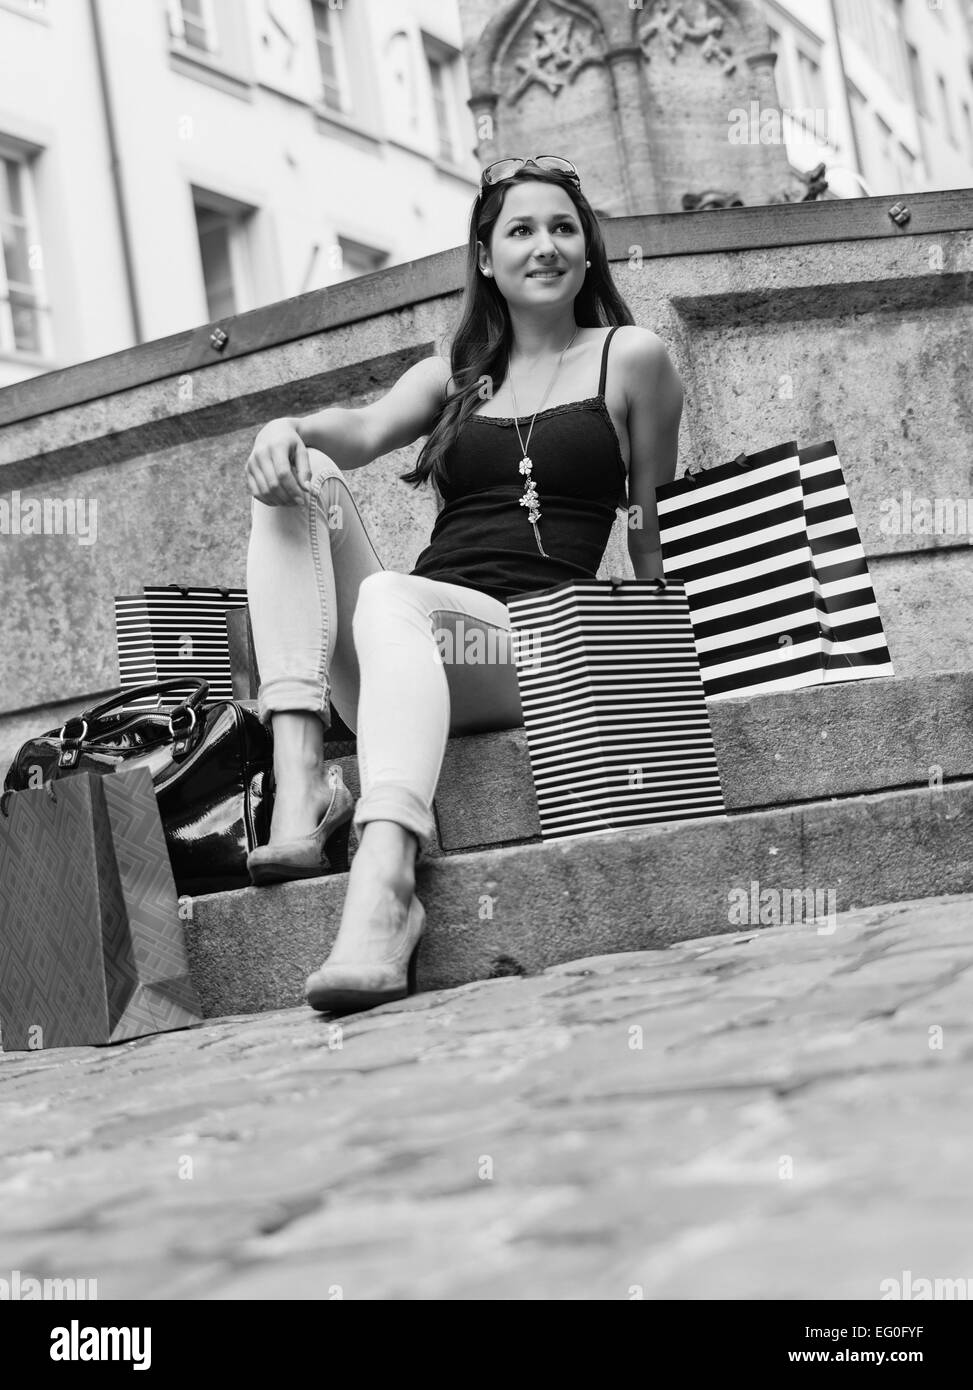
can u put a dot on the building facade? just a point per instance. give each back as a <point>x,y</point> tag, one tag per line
<point>881,91</point>
<point>167,163</point>
<point>170,163</point>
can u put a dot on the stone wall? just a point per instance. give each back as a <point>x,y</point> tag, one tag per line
<point>782,333</point>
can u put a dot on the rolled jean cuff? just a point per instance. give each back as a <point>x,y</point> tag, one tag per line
<point>293,695</point>
<point>390,801</point>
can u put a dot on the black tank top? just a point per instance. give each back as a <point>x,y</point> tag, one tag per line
<point>482,538</point>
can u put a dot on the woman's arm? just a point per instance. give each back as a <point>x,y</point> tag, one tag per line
<point>406,412</point>
<point>278,471</point>
<point>655,398</point>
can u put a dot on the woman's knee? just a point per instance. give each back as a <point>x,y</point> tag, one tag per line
<point>386,596</point>
<point>329,489</point>
<point>321,463</point>
<point>382,589</point>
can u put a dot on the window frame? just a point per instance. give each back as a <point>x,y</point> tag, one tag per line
<point>346,241</point>
<point>336,38</point>
<point>40,304</point>
<point>445,58</point>
<point>917,79</point>
<point>945,112</point>
<point>177,27</point>
<point>967,127</point>
<point>811,73</point>
<point>239,218</point>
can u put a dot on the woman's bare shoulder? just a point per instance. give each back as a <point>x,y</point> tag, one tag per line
<point>638,343</point>
<point>446,370</point>
<point>645,362</point>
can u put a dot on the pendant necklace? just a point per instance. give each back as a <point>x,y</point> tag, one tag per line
<point>530,498</point>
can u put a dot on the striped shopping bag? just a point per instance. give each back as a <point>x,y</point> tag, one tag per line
<point>772,560</point>
<point>617,727</point>
<point>171,630</point>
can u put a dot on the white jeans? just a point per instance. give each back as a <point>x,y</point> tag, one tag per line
<point>406,661</point>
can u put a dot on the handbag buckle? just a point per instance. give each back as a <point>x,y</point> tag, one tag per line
<point>182,722</point>
<point>70,742</point>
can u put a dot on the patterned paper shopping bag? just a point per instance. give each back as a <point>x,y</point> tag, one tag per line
<point>617,727</point>
<point>772,560</point>
<point>91,942</point>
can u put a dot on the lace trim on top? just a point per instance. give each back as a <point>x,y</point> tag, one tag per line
<point>563,408</point>
<point>549,410</point>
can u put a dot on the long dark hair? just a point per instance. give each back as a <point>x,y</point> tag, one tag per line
<point>482,341</point>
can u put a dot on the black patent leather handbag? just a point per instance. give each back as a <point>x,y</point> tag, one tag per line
<point>211,766</point>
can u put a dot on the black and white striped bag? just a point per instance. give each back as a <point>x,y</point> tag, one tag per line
<point>172,630</point>
<point>617,727</point>
<point>772,560</point>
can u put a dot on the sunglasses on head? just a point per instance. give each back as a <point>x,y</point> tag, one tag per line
<point>502,169</point>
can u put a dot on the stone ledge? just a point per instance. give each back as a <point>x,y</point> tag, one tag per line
<point>400,287</point>
<point>772,750</point>
<point>520,909</point>
<point>797,746</point>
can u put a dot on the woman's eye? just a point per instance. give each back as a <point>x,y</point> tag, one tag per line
<point>522,226</point>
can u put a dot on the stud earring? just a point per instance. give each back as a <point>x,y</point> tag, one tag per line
<point>588,263</point>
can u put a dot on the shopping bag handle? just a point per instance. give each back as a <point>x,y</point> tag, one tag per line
<point>692,475</point>
<point>617,581</point>
<point>184,590</point>
<point>15,791</point>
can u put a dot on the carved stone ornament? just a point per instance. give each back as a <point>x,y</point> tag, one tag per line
<point>558,48</point>
<point>670,28</point>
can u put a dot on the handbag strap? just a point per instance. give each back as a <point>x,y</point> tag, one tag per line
<point>127,697</point>
<point>182,717</point>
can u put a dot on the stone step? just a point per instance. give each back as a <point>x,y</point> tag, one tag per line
<point>772,750</point>
<point>524,907</point>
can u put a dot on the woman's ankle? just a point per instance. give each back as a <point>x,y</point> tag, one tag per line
<point>386,856</point>
<point>295,776</point>
<point>301,797</point>
<point>298,743</point>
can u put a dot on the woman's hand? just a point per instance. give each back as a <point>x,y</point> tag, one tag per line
<point>278,469</point>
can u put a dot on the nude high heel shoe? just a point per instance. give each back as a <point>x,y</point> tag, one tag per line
<point>347,988</point>
<point>324,851</point>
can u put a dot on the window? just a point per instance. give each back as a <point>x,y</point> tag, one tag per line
<point>23,326</point>
<point>885,146</point>
<point>780,69</point>
<point>968,128</point>
<point>812,84</point>
<point>192,22</point>
<point>440,102</point>
<point>359,259</point>
<point>890,56</point>
<point>224,234</point>
<point>907,170</point>
<point>874,25</point>
<point>441,62</point>
<point>915,76</point>
<point>331,57</point>
<point>946,113</point>
<point>404,93</point>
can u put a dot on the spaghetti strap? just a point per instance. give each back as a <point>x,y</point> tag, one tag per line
<point>604,360</point>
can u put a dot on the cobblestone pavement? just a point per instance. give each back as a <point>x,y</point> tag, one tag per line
<point>774,1113</point>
